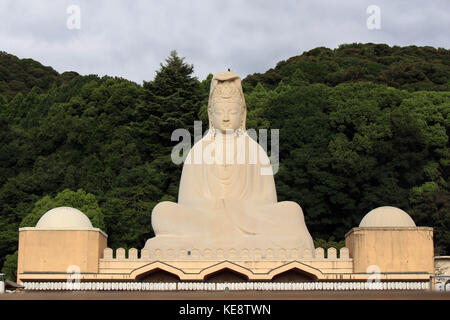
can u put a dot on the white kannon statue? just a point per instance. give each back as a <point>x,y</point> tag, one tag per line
<point>227,197</point>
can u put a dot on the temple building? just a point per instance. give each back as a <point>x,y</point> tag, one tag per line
<point>227,228</point>
<point>386,246</point>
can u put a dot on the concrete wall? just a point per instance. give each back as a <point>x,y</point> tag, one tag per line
<point>55,250</point>
<point>407,249</point>
<point>442,265</point>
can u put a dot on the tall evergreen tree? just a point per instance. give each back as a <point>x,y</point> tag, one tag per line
<point>172,101</point>
<point>174,96</point>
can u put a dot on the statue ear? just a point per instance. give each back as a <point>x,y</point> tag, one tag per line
<point>242,126</point>
<point>243,116</point>
<point>214,83</point>
<point>211,125</point>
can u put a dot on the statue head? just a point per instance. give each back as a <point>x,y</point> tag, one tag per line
<point>226,105</point>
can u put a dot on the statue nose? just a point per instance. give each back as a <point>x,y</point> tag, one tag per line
<point>225,120</point>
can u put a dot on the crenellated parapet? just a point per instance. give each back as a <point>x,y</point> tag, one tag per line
<point>230,254</point>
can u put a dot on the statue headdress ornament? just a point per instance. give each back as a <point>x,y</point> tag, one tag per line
<point>226,86</point>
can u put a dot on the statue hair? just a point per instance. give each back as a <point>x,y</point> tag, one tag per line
<point>235,81</point>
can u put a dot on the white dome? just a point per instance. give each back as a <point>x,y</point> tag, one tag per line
<point>64,218</point>
<point>387,217</point>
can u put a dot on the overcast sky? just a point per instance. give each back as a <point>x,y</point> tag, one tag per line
<point>131,38</point>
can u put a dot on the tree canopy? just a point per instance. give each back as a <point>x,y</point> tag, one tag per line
<point>361,126</point>
<point>411,68</point>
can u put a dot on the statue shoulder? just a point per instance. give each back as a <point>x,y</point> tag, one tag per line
<point>255,146</point>
<point>198,149</point>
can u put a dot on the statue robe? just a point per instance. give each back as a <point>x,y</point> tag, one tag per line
<point>228,205</point>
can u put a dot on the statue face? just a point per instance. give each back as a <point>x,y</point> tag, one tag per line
<point>226,115</point>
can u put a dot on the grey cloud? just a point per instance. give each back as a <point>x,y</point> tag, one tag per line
<point>131,38</point>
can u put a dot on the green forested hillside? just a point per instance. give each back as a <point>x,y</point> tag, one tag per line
<point>346,147</point>
<point>411,68</point>
<point>22,75</point>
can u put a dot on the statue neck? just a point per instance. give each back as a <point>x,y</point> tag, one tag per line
<point>227,135</point>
